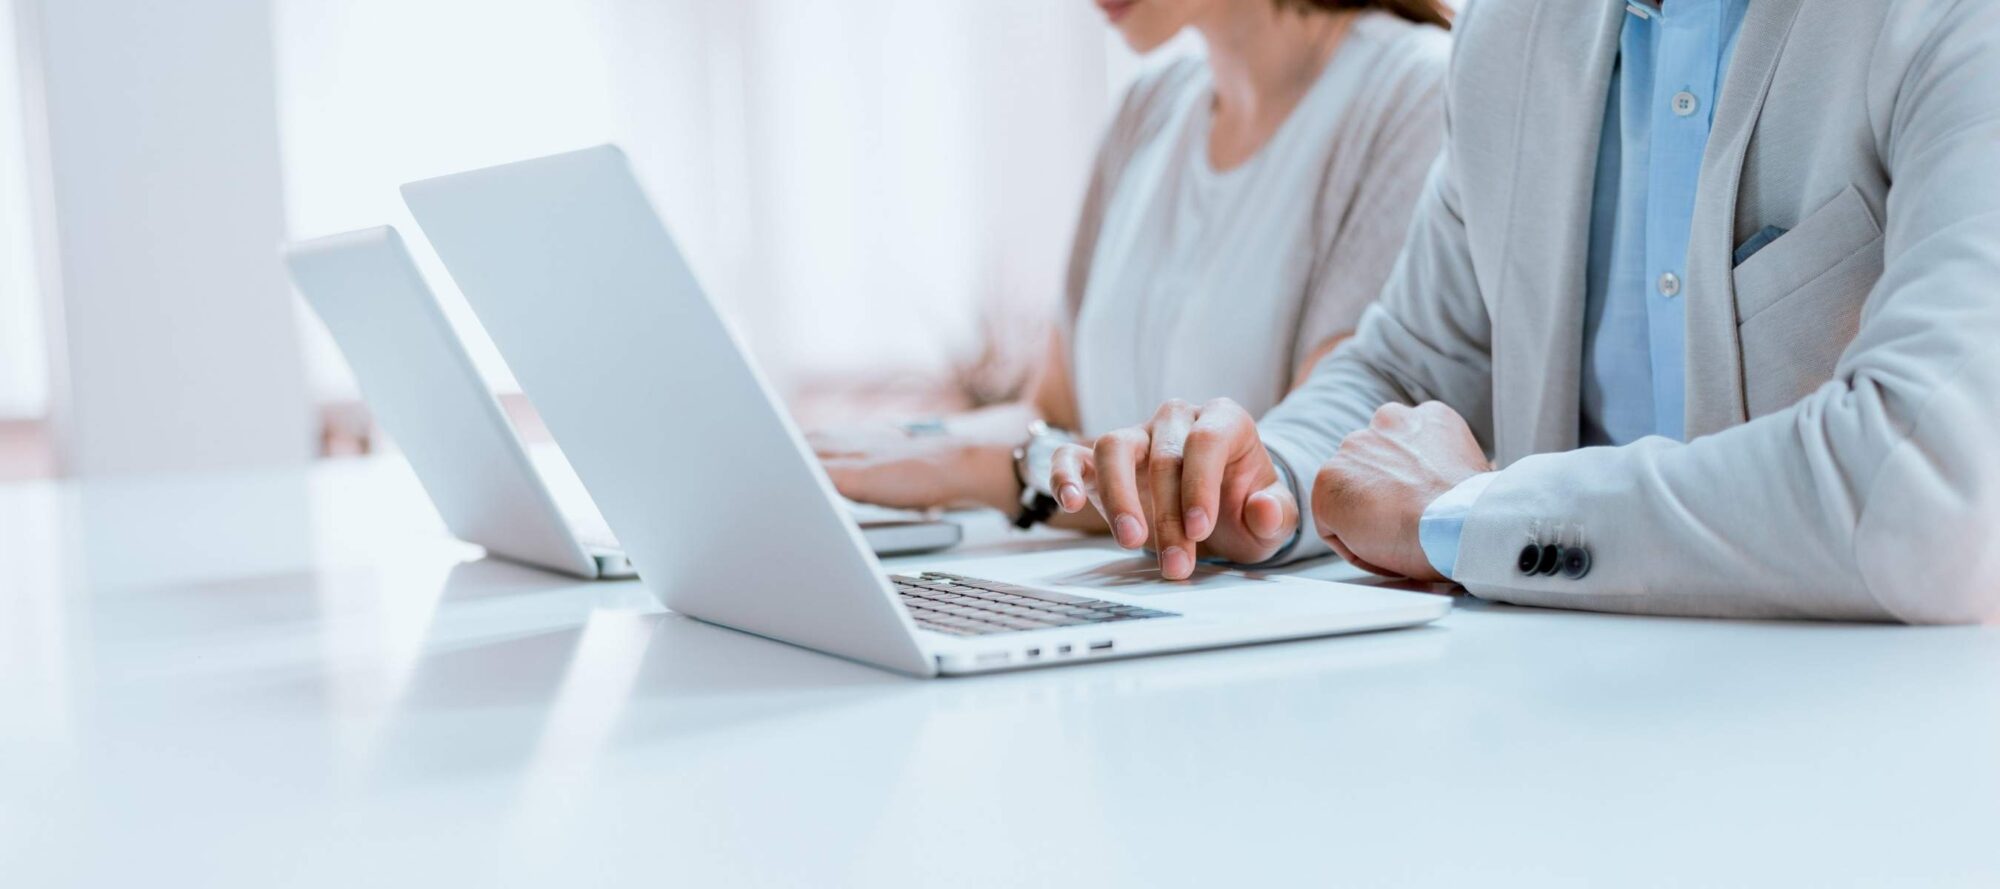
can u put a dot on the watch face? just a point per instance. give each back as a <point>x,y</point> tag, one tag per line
<point>1039,461</point>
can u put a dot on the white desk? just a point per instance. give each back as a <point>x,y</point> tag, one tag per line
<point>296,679</point>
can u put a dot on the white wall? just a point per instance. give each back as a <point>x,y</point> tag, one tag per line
<point>153,127</point>
<point>23,362</point>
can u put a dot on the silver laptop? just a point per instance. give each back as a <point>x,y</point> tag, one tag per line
<point>425,391</point>
<point>719,501</point>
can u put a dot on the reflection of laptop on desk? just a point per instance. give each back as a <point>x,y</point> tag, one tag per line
<point>424,389</point>
<point>681,443</point>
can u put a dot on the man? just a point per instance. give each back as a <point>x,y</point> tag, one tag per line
<point>1718,284</point>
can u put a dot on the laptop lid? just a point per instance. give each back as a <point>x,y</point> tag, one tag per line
<point>424,389</point>
<point>699,471</point>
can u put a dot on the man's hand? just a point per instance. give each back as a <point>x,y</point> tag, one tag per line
<point>1370,497</point>
<point>1189,476</point>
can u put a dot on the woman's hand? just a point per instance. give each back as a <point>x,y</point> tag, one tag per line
<point>1189,477</point>
<point>881,464</point>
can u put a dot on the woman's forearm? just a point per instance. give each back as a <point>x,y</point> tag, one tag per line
<point>995,423</point>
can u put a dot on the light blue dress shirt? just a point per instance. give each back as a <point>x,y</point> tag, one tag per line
<point>1658,110</point>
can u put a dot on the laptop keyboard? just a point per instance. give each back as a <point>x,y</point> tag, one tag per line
<point>962,606</point>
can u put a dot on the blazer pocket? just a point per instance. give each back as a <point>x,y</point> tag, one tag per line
<point>1799,300</point>
<point>1824,239</point>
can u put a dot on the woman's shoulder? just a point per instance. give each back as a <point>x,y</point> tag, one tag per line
<point>1166,79</point>
<point>1395,77</point>
<point>1406,53</point>
<point>1153,96</point>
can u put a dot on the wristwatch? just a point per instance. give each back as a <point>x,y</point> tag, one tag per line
<point>1031,472</point>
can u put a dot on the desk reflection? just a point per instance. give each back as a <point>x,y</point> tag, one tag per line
<point>579,666</point>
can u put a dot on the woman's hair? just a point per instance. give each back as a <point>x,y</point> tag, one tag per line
<point>1426,12</point>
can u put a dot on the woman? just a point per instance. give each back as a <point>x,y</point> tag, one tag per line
<point>1260,192</point>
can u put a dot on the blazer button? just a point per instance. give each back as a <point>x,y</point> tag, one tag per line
<point>1531,556</point>
<point>1550,559</point>
<point>1576,562</point>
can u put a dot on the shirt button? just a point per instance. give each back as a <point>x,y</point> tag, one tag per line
<point>1670,285</point>
<point>1685,103</point>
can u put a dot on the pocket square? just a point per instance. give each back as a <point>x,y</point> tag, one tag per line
<point>1757,242</point>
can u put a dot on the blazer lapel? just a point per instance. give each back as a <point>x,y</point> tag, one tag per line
<point>1538,331</point>
<point>1715,399</point>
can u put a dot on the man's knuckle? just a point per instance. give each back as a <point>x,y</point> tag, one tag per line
<point>1391,413</point>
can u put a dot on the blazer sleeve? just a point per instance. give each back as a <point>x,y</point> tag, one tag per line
<point>1878,495</point>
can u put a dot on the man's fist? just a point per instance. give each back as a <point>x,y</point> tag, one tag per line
<point>1370,497</point>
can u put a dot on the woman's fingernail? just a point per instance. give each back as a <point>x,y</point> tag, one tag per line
<point>1128,531</point>
<point>1071,497</point>
<point>1197,522</point>
<point>1175,563</point>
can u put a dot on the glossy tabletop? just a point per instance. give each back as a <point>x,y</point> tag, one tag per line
<point>296,679</point>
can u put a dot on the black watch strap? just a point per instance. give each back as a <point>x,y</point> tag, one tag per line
<point>1036,507</point>
<point>1037,510</point>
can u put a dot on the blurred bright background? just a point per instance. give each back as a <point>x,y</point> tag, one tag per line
<point>879,192</point>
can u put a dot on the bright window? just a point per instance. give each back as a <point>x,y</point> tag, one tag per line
<point>376,93</point>
<point>863,186</point>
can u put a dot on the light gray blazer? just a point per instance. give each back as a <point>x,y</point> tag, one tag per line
<point>1843,383</point>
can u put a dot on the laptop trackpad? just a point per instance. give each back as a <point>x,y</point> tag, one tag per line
<point>1086,571</point>
<point>1137,574</point>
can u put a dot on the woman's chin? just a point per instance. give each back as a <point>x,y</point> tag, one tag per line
<point>1141,39</point>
